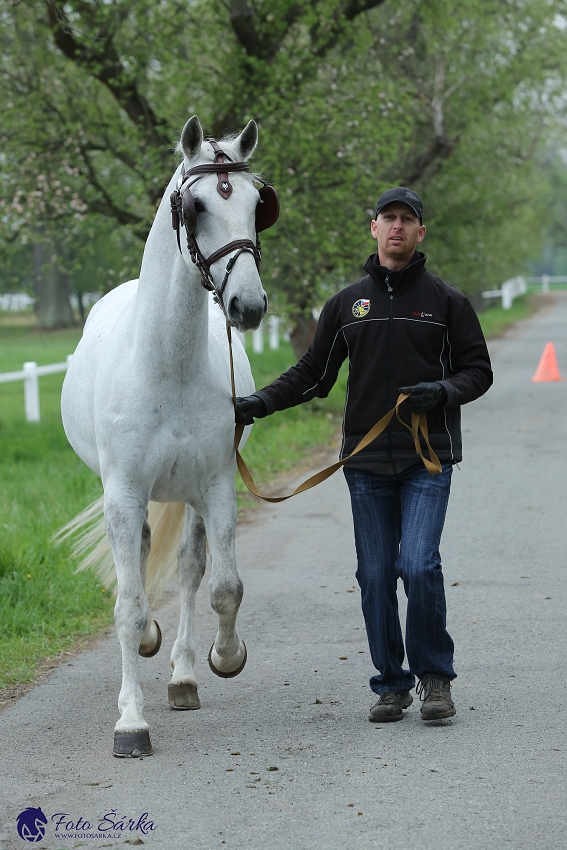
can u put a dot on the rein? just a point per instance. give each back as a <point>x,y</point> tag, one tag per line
<point>418,425</point>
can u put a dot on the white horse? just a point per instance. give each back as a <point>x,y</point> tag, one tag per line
<point>147,404</point>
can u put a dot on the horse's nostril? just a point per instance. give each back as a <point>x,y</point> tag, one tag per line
<point>265,304</point>
<point>245,316</point>
<point>235,311</point>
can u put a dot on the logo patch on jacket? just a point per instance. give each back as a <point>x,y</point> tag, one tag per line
<point>422,315</point>
<point>360,308</point>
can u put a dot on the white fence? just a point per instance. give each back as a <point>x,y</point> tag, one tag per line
<point>15,302</point>
<point>88,299</point>
<point>30,374</point>
<point>273,335</point>
<point>509,290</point>
<point>519,286</point>
<point>546,279</point>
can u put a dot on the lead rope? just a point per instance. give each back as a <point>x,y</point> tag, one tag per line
<point>418,423</point>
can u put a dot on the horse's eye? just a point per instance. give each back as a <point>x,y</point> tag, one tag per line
<point>199,206</point>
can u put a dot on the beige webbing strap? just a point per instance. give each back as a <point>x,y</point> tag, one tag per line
<point>418,423</point>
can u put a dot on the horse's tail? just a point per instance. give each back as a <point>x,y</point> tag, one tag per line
<point>91,544</point>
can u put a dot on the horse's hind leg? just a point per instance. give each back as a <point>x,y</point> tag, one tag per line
<point>192,560</point>
<point>151,639</point>
<point>227,656</point>
<point>125,516</point>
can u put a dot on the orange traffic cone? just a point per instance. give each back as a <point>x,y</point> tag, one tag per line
<point>547,369</point>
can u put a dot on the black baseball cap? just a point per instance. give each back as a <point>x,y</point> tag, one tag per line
<point>403,195</point>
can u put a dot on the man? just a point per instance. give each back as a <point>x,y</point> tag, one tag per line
<point>403,329</point>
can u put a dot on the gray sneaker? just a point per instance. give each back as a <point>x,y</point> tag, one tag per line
<point>389,707</point>
<point>434,690</point>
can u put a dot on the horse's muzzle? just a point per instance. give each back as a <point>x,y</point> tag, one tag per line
<point>246,317</point>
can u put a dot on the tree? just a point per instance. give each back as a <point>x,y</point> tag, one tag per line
<point>351,96</point>
<point>442,98</point>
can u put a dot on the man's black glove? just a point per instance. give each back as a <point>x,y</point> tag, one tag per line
<point>248,409</point>
<point>425,396</point>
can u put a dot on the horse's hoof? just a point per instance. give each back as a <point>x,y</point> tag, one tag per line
<point>183,697</point>
<point>231,673</point>
<point>131,745</point>
<point>149,653</point>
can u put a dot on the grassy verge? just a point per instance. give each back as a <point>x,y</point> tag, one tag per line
<point>44,605</point>
<point>495,319</point>
<point>278,443</point>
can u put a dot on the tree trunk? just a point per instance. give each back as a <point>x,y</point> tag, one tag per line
<point>81,306</point>
<point>52,306</point>
<point>303,331</point>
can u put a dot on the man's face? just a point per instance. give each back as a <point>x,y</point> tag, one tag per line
<point>397,231</point>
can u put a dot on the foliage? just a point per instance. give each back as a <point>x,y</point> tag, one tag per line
<point>351,96</point>
<point>552,164</point>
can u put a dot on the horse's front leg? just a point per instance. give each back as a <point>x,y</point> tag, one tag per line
<point>125,516</point>
<point>151,639</point>
<point>227,656</point>
<point>191,563</point>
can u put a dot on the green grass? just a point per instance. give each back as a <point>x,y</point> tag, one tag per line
<point>279,443</point>
<point>44,605</point>
<point>495,319</point>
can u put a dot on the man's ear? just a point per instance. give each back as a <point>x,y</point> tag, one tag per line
<point>421,234</point>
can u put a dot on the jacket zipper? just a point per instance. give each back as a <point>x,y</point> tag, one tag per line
<point>390,362</point>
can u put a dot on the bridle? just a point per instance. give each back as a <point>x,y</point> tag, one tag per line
<point>184,214</point>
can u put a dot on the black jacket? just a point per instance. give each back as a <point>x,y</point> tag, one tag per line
<point>422,330</point>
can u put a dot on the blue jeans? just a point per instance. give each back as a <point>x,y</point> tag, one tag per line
<point>398,520</point>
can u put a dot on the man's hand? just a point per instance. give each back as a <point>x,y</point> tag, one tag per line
<point>248,409</point>
<point>425,396</point>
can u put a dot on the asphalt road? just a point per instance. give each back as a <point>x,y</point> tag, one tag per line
<point>284,755</point>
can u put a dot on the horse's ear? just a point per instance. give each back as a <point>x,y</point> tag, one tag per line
<point>192,138</point>
<point>247,140</point>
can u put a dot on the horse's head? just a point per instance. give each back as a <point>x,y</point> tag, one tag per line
<point>221,209</point>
